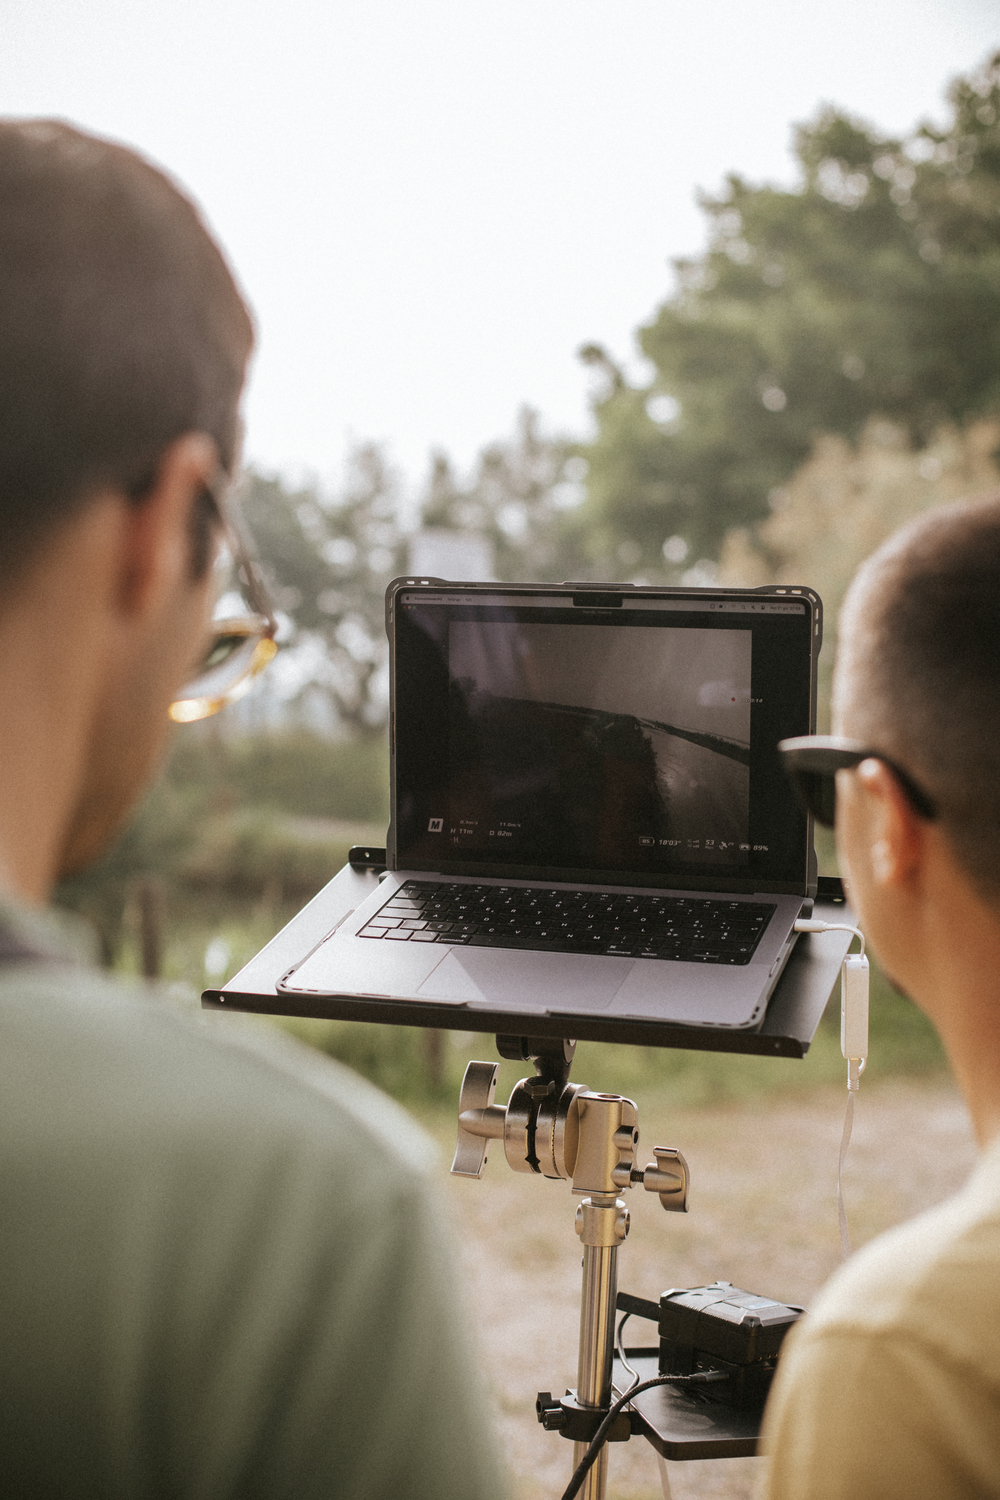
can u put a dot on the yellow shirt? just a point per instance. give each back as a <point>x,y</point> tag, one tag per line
<point>890,1388</point>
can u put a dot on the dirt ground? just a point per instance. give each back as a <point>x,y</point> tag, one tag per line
<point>763,1214</point>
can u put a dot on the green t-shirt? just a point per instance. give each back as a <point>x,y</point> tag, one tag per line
<point>221,1272</point>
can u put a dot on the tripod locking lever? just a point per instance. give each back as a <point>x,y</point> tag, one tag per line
<point>479,1119</point>
<point>668,1176</point>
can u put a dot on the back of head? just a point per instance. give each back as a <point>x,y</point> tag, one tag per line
<point>918,674</point>
<point>121,328</point>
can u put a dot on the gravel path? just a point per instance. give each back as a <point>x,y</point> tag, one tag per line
<point>763,1215</point>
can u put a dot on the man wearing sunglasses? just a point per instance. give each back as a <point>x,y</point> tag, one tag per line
<point>221,1272</point>
<point>891,1387</point>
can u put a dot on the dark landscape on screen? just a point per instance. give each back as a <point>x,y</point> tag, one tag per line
<point>602,745</point>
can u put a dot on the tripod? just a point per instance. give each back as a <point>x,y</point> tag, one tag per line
<point>553,1128</point>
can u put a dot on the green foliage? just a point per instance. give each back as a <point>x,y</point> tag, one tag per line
<point>293,772</point>
<point>251,851</point>
<point>198,920</point>
<point>844,501</point>
<point>266,820</point>
<point>328,561</point>
<point>871,289</point>
<point>154,842</point>
<point>401,1060</point>
<point>523,498</point>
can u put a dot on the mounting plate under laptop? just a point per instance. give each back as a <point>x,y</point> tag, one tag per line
<point>355,960</point>
<point>793,1011</point>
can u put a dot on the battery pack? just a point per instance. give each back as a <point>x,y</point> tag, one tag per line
<point>721,1327</point>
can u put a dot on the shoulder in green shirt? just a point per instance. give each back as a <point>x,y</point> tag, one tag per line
<point>223,1274</point>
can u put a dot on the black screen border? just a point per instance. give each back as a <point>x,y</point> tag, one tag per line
<point>774,872</point>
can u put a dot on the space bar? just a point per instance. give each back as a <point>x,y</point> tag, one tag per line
<point>556,945</point>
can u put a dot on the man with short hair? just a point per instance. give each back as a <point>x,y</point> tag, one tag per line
<point>890,1387</point>
<point>222,1274</point>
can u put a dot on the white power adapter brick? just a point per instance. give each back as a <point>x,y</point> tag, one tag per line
<point>854,977</point>
<point>854,1007</point>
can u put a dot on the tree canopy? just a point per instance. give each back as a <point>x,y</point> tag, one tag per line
<point>523,497</point>
<point>327,560</point>
<point>870,289</point>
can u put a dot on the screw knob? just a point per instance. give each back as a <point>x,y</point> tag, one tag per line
<point>667,1176</point>
<point>479,1119</point>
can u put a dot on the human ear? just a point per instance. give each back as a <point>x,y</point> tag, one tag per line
<point>156,550</point>
<point>894,832</point>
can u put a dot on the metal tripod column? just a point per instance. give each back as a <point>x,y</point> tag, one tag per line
<point>602,1224</point>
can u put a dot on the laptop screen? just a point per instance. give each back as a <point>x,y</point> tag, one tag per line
<point>634,741</point>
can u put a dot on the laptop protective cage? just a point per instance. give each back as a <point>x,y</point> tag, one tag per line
<point>482,675</point>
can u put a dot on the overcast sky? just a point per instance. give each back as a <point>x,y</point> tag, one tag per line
<point>433,203</point>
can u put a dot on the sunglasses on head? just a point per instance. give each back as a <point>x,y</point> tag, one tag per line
<point>239,645</point>
<point>812,761</point>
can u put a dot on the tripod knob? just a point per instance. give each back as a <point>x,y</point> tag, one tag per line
<point>479,1119</point>
<point>668,1176</point>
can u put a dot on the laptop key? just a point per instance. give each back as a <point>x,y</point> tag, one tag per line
<point>683,929</point>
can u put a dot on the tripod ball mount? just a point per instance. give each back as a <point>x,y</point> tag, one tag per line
<point>553,1128</point>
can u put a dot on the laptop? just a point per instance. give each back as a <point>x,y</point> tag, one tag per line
<point>588,814</point>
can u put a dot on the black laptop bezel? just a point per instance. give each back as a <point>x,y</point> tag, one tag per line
<point>588,597</point>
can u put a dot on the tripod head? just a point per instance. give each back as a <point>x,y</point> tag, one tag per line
<point>558,1129</point>
<point>553,1128</point>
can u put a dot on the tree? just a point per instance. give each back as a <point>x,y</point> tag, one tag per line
<point>845,500</point>
<point>523,497</point>
<point>328,561</point>
<point>871,289</point>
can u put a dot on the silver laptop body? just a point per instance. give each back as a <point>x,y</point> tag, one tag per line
<point>572,755</point>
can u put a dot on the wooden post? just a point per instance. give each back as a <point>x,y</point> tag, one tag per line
<point>149,895</point>
<point>434,1056</point>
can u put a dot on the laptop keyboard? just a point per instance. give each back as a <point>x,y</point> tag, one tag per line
<point>560,921</point>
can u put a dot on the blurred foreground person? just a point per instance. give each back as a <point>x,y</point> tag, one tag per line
<point>220,1274</point>
<point>890,1388</point>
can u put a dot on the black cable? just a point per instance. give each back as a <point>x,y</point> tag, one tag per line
<point>701,1377</point>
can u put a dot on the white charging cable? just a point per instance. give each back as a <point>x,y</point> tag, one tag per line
<point>810,924</point>
<point>854,987</point>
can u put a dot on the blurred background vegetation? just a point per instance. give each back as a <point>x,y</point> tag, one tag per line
<point>828,367</point>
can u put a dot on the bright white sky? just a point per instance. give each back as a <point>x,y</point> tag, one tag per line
<point>433,203</point>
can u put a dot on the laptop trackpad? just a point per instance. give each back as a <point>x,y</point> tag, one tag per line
<point>535,981</point>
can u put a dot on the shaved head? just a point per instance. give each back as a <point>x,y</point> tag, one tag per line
<point>918,670</point>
